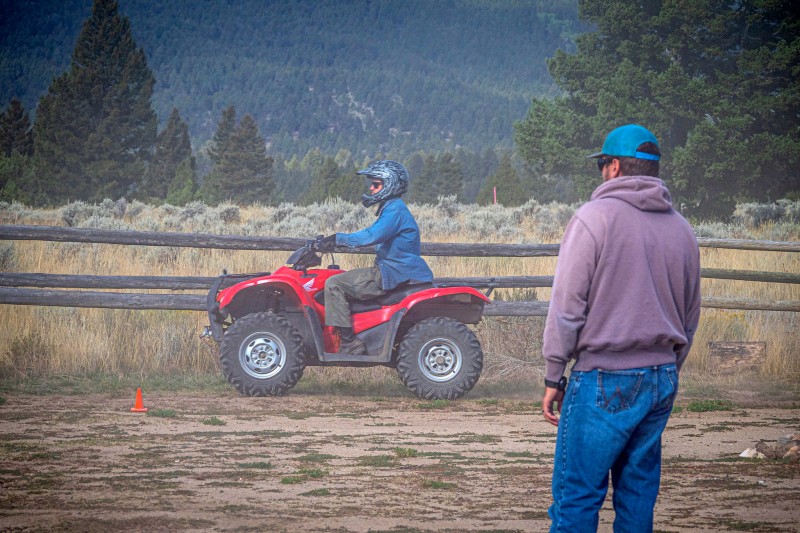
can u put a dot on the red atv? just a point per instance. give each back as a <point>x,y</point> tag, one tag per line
<point>271,327</point>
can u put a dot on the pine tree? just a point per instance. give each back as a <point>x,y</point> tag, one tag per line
<point>487,165</point>
<point>313,161</point>
<point>183,187</point>
<point>422,188</point>
<point>414,165</point>
<point>16,146</point>
<point>95,127</point>
<point>15,170</point>
<point>344,158</point>
<point>510,191</point>
<point>348,186</point>
<point>15,130</point>
<point>212,191</point>
<point>715,80</point>
<point>471,168</point>
<point>225,129</point>
<point>59,149</point>
<point>448,177</point>
<point>173,146</point>
<point>326,179</point>
<point>244,170</point>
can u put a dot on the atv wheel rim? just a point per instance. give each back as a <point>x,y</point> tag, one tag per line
<point>262,355</point>
<point>440,360</point>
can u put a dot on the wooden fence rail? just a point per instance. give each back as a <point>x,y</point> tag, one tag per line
<point>11,293</point>
<point>195,302</point>
<point>188,302</point>
<point>13,286</point>
<point>242,242</point>
<point>177,283</point>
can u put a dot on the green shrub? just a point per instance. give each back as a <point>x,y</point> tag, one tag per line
<point>754,215</point>
<point>162,413</point>
<point>703,406</point>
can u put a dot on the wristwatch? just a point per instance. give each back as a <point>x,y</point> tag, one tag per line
<point>561,384</point>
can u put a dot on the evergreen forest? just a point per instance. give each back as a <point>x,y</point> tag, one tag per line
<point>366,76</point>
<point>271,101</point>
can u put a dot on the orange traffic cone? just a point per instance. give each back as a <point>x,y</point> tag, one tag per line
<point>138,407</point>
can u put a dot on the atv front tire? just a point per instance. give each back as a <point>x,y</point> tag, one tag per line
<point>440,358</point>
<point>261,355</point>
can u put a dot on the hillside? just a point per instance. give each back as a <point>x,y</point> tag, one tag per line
<point>362,75</point>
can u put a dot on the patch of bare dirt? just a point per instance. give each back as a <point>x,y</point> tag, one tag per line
<point>220,462</point>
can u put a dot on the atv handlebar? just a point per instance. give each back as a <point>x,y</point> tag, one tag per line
<point>307,256</point>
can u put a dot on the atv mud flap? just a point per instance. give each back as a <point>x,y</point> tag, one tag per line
<point>215,317</point>
<point>316,331</point>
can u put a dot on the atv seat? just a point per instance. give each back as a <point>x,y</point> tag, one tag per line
<point>390,298</point>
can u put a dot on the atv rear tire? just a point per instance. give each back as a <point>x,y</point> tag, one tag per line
<point>440,358</point>
<point>261,355</point>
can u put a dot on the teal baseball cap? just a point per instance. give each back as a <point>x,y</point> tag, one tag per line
<point>625,142</point>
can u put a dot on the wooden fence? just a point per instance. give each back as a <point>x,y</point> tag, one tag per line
<point>28,288</point>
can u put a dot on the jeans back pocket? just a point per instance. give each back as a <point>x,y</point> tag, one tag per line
<point>617,390</point>
<point>668,387</point>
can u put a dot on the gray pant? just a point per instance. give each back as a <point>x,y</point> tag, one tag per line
<point>353,285</point>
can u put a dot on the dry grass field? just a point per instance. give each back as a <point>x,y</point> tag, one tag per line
<point>46,341</point>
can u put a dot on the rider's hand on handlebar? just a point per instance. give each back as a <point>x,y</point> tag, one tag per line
<point>326,244</point>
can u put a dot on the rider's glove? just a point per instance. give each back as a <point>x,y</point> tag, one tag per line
<point>327,244</point>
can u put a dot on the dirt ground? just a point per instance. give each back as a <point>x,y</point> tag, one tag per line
<point>219,462</point>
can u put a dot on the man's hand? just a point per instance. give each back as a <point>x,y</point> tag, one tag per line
<point>327,244</point>
<point>552,396</point>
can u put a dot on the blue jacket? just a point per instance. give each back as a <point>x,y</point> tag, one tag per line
<point>396,235</point>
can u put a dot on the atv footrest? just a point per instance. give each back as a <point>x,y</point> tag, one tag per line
<point>348,358</point>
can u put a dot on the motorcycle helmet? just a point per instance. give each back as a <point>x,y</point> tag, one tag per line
<point>394,177</point>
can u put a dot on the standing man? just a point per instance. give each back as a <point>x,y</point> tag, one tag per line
<point>625,306</point>
<point>396,236</point>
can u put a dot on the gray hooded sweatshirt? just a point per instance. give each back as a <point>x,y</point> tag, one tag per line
<point>627,285</point>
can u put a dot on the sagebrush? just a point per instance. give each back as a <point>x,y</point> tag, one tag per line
<point>50,340</point>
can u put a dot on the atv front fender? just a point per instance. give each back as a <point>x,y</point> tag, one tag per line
<point>247,288</point>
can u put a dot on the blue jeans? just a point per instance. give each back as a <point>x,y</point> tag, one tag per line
<point>611,421</point>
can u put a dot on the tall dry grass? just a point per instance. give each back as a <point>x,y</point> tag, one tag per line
<point>46,341</point>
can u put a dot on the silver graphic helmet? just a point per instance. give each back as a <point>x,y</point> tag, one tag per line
<point>394,177</point>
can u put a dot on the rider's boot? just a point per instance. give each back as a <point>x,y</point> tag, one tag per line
<point>350,344</point>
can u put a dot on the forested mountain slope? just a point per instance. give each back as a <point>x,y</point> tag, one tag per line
<point>362,75</point>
